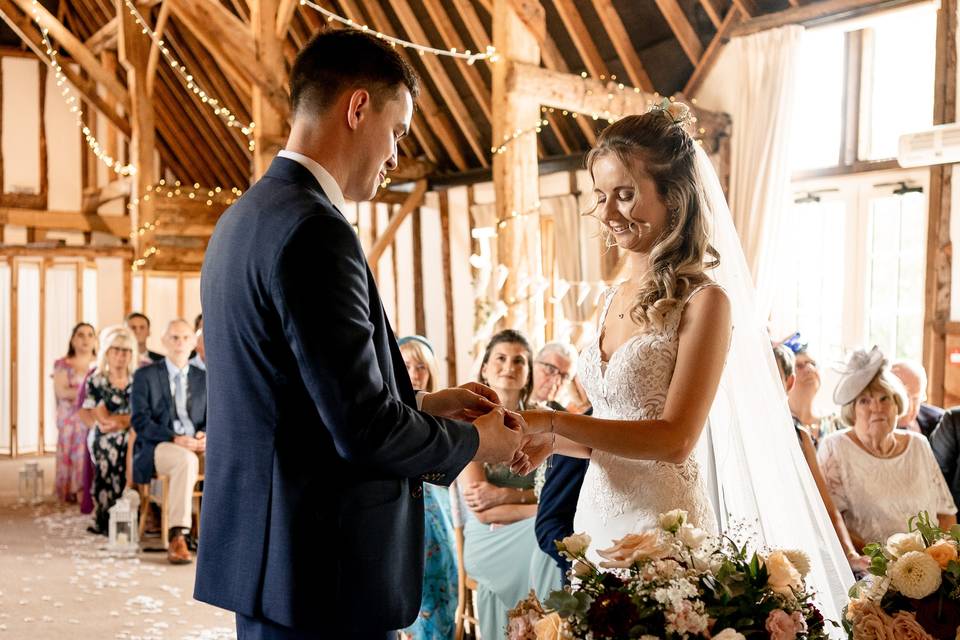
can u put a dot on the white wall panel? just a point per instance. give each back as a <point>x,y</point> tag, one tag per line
<point>191,297</point>
<point>161,307</point>
<point>28,364</point>
<point>90,311</point>
<point>403,279</point>
<point>434,296</point>
<point>21,125</point>
<point>60,313</point>
<point>5,398</point>
<point>110,276</point>
<point>64,152</point>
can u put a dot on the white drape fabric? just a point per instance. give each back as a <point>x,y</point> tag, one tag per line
<point>755,467</point>
<point>760,166</point>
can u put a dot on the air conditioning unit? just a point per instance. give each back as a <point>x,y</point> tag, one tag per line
<point>938,145</point>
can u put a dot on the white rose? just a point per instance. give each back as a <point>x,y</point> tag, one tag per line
<point>901,543</point>
<point>729,634</point>
<point>575,545</point>
<point>581,569</point>
<point>783,577</point>
<point>798,559</point>
<point>691,536</point>
<point>915,575</point>
<point>672,520</point>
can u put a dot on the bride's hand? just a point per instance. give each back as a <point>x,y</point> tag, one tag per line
<point>537,421</point>
<point>535,448</point>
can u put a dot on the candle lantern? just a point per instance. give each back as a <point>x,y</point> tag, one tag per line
<point>123,529</point>
<point>31,483</point>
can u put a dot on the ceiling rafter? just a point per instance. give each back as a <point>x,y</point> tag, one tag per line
<point>444,85</point>
<point>684,32</point>
<point>617,32</point>
<point>712,53</point>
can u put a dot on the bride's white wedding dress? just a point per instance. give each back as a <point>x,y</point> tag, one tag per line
<point>621,495</point>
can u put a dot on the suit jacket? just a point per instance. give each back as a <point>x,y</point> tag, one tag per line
<point>928,418</point>
<point>313,501</point>
<point>153,412</point>
<point>945,441</point>
<point>558,504</point>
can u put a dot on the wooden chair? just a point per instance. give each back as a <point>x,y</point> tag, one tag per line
<point>148,496</point>
<point>466,618</point>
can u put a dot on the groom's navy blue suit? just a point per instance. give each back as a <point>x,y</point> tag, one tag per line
<point>312,511</point>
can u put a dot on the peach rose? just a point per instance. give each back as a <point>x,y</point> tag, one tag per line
<point>574,546</point>
<point>626,551</point>
<point>549,627</point>
<point>873,624</point>
<point>906,627</point>
<point>781,625</point>
<point>729,634</point>
<point>943,551</point>
<point>783,577</point>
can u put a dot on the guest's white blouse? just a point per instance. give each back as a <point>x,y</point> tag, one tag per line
<point>878,495</point>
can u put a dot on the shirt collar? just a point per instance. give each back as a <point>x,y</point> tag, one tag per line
<point>327,183</point>
<point>172,370</point>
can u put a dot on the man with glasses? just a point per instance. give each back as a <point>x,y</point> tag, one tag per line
<point>553,367</point>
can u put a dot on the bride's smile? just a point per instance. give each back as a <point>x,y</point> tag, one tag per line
<point>628,204</point>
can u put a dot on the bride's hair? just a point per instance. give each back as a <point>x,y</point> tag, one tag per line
<point>657,144</point>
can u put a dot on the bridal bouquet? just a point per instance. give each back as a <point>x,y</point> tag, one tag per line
<point>674,582</point>
<point>914,590</point>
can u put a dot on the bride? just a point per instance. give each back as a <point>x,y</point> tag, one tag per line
<point>678,357</point>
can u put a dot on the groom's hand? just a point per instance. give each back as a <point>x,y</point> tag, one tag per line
<point>467,402</point>
<point>534,449</point>
<point>498,442</point>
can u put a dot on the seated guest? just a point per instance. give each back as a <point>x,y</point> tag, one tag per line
<point>880,476</point>
<point>170,415</point>
<point>500,547</point>
<point>197,356</point>
<point>139,324</point>
<point>68,375</point>
<point>802,396</point>
<point>107,407</point>
<point>945,441</point>
<point>858,562</point>
<point>438,604</point>
<point>553,367</point>
<point>920,417</point>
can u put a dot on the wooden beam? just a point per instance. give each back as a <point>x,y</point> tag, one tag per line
<point>409,169</point>
<point>515,170</point>
<point>682,29</point>
<point>133,48</point>
<point>154,58</point>
<point>749,8</point>
<point>937,282</point>
<point>451,39</point>
<point>448,92</point>
<point>438,120</point>
<point>22,26</point>
<point>532,15</point>
<point>232,44</point>
<point>285,12</point>
<point>712,54</point>
<point>44,167</point>
<point>448,288</point>
<point>713,12</point>
<point>118,226</point>
<point>103,38</point>
<point>419,304</point>
<point>816,13</point>
<point>271,127</point>
<point>617,32</point>
<point>577,30</point>
<point>80,53</point>
<point>384,240</point>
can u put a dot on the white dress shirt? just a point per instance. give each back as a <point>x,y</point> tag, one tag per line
<point>327,183</point>
<point>181,427</point>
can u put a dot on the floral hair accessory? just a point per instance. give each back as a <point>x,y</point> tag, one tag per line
<point>678,112</point>
<point>861,368</point>
<point>795,343</point>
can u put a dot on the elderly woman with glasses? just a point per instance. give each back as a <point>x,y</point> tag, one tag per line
<point>880,476</point>
<point>107,406</point>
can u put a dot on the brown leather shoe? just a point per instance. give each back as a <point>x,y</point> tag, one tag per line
<point>177,552</point>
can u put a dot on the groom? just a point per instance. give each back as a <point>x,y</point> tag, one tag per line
<point>317,446</point>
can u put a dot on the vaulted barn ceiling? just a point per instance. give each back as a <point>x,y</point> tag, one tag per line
<point>658,45</point>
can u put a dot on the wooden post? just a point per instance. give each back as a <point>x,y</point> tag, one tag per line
<point>515,175</point>
<point>271,127</point>
<point>111,137</point>
<point>419,304</point>
<point>448,288</point>
<point>937,284</point>
<point>44,169</point>
<point>134,51</point>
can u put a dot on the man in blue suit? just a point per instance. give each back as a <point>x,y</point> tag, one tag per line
<point>317,445</point>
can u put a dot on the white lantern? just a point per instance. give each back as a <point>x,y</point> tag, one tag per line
<point>31,483</point>
<point>123,529</point>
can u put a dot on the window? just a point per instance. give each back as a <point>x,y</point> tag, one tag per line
<point>818,114</point>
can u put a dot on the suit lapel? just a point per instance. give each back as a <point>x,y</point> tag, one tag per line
<point>163,379</point>
<point>195,388</point>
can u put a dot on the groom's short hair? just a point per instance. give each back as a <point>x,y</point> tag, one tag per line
<point>346,59</point>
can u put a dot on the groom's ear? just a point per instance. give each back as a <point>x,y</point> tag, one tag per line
<point>358,107</point>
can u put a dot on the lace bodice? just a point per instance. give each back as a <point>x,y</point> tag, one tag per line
<point>621,495</point>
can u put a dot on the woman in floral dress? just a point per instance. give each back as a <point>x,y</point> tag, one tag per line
<point>68,374</point>
<point>108,405</point>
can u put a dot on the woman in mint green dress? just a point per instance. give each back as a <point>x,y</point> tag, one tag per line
<point>438,605</point>
<point>500,546</point>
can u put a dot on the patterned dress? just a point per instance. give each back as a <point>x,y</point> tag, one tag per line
<point>71,438</point>
<point>109,450</point>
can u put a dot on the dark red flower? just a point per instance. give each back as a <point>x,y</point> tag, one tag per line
<point>612,615</point>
